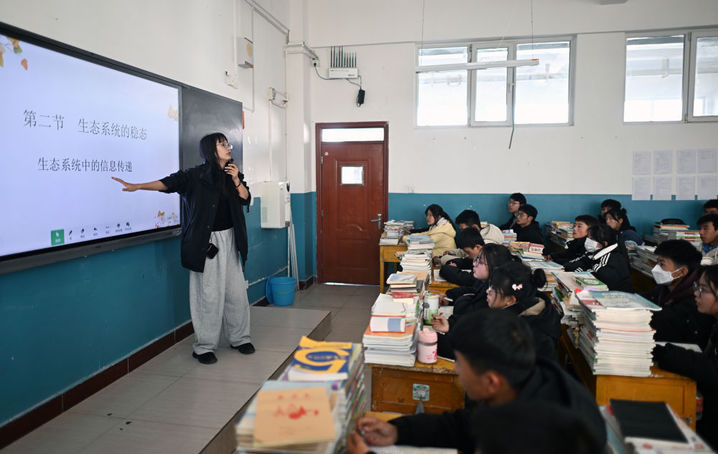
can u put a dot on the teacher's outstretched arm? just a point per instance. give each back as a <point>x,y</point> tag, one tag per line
<point>150,186</point>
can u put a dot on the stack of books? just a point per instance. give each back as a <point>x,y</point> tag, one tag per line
<point>644,259</point>
<point>324,377</point>
<point>416,260</point>
<point>616,337</point>
<point>548,268</point>
<point>391,348</point>
<point>401,281</point>
<point>527,251</point>
<point>509,237</point>
<point>396,304</point>
<point>565,298</point>
<point>419,243</point>
<point>663,232</point>
<point>560,232</point>
<point>394,230</point>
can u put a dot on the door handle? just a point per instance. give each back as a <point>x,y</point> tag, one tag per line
<point>377,220</point>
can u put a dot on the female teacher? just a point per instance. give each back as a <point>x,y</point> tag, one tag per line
<point>214,239</point>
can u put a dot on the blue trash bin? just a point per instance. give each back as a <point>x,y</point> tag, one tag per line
<point>280,290</point>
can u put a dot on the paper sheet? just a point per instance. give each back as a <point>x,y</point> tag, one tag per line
<point>686,161</point>
<point>707,162</point>
<point>662,162</point>
<point>662,188</point>
<point>641,162</point>
<point>707,187</point>
<point>686,187</point>
<point>641,188</point>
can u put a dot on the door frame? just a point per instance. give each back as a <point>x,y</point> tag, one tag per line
<point>318,155</point>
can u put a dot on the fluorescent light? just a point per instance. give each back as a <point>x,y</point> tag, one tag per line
<point>478,65</point>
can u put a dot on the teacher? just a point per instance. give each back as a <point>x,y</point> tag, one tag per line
<point>214,245</point>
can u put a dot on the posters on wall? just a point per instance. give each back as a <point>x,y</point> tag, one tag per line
<point>694,172</point>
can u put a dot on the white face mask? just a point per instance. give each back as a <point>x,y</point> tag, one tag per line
<point>662,276</point>
<point>590,245</point>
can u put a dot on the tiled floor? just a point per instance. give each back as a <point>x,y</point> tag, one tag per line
<point>173,404</point>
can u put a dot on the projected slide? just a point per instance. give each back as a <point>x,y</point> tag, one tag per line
<point>67,126</point>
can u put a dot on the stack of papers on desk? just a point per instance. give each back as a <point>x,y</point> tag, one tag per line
<point>392,306</point>
<point>396,229</point>
<point>396,349</point>
<point>616,337</point>
<point>401,281</point>
<point>419,243</point>
<point>416,260</point>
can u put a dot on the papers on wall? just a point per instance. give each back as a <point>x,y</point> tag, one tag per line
<point>641,188</point>
<point>707,187</point>
<point>641,162</point>
<point>663,162</point>
<point>686,161</point>
<point>686,186</point>
<point>707,161</point>
<point>662,188</point>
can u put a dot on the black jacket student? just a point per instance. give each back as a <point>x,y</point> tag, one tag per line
<point>455,273</point>
<point>548,382</point>
<point>608,265</point>
<point>574,249</point>
<point>544,321</point>
<point>471,301</point>
<point>703,368</point>
<point>510,224</point>
<point>200,200</point>
<point>679,319</point>
<point>531,233</point>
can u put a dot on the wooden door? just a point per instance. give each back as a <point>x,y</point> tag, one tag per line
<point>351,198</point>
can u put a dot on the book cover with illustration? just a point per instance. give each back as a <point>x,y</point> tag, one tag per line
<point>316,360</point>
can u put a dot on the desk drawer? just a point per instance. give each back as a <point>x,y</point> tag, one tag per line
<point>392,390</point>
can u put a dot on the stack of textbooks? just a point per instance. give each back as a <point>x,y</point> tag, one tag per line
<point>560,232</point>
<point>312,407</point>
<point>401,281</point>
<point>419,243</point>
<point>644,259</point>
<point>527,251</point>
<point>391,348</point>
<point>565,297</point>
<point>663,232</point>
<point>396,304</point>
<point>394,230</point>
<point>509,237</point>
<point>616,337</point>
<point>416,260</point>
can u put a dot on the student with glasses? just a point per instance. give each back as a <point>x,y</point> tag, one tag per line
<point>214,245</point>
<point>701,367</point>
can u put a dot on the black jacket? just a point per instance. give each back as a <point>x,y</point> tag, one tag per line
<point>456,275</point>
<point>544,321</point>
<point>548,383</point>
<point>472,301</point>
<point>679,319</point>
<point>703,368</point>
<point>531,233</point>
<point>574,249</point>
<point>200,196</point>
<point>609,265</point>
<point>508,225</point>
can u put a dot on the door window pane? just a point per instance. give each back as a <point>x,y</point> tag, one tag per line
<point>442,95</point>
<point>705,101</point>
<point>654,79</point>
<point>353,135</point>
<point>542,92</point>
<point>490,99</point>
<point>352,175</point>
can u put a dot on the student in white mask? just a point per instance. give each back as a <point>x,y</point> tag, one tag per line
<point>675,272</point>
<point>604,259</point>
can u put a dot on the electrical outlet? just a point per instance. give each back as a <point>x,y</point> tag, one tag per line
<point>231,77</point>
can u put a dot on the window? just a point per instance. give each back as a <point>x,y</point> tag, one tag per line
<point>353,135</point>
<point>668,79</point>
<point>352,175</point>
<point>654,79</point>
<point>441,95</point>
<point>541,94</point>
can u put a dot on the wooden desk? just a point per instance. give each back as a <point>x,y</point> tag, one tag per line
<point>441,287</point>
<point>676,390</point>
<point>387,255</point>
<point>392,387</point>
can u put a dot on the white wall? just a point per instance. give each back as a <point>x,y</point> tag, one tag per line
<point>190,41</point>
<point>592,156</point>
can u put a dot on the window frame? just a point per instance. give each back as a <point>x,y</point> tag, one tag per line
<point>691,88</point>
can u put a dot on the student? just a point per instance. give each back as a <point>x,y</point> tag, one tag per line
<point>440,229</point>
<point>467,300</point>
<point>470,241</point>
<point>574,248</point>
<point>546,428</point>
<point>515,201</point>
<point>701,367</point>
<point>708,230</point>
<point>710,207</point>
<point>676,271</point>
<point>526,228</point>
<point>606,206</point>
<point>514,288</point>
<point>470,218</point>
<point>617,219</point>
<point>496,363</point>
<point>604,259</point>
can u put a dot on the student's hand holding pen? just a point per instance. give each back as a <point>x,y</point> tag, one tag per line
<point>356,444</point>
<point>440,324</point>
<point>377,432</point>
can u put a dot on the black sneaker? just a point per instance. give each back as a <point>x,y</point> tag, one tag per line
<point>245,349</point>
<point>205,358</point>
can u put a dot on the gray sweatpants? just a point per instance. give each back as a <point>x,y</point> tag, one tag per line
<point>218,297</point>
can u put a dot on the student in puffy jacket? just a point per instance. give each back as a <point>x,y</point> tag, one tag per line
<point>701,367</point>
<point>676,272</point>
<point>515,201</point>
<point>604,259</point>
<point>527,228</point>
<point>574,248</point>
<point>440,229</point>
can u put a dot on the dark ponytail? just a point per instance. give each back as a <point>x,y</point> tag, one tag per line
<point>620,214</point>
<point>516,279</point>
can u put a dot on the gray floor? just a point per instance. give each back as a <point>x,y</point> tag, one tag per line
<point>173,404</point>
